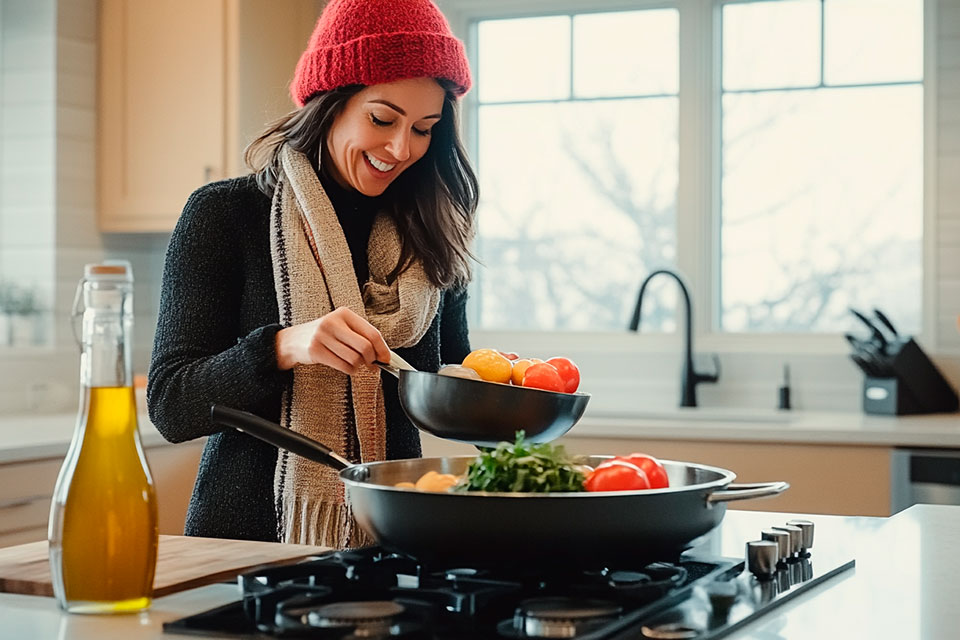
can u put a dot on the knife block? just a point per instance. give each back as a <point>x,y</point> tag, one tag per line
<point>916,387</point>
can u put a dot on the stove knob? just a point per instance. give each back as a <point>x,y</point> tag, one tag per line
<point>807,528</point>
<point>796,538</point>
<point>762,557</point>
<point>782,538</point>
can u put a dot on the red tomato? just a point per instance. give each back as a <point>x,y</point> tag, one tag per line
<point>568,371</point>
<point>651,466</point>
<point>616,475</point>
<point>542,376</point>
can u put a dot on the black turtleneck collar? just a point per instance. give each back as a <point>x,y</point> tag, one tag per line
<point>355,212</point>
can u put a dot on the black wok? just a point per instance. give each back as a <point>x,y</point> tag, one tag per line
<point>478,528</point>
<point>485,413</point>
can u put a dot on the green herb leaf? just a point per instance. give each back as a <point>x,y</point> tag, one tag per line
<point>522,466</point>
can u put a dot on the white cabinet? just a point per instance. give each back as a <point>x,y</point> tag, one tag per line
<point>183,86</point>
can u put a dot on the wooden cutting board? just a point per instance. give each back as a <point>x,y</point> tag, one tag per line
<point>183,562</point>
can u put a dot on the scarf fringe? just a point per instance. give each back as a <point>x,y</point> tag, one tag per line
<point>319,523</point>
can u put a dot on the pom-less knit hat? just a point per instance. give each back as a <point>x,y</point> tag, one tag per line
<point>375,41</point>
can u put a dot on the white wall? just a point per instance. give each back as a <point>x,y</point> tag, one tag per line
<point>48,184</point>
<point>27,145</point>
<point>947,203</point>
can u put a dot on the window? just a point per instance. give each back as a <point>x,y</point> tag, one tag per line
<point>822,164</point>
<point>810,148</point>
<point>576,143</point>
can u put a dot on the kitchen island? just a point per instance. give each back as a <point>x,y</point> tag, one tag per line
<point>903,586</point>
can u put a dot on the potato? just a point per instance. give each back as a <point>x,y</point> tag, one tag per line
<point>433,481</point>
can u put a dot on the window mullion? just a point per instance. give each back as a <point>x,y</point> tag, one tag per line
<point>696,228</point>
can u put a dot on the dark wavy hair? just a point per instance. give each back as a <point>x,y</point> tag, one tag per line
<point>433,202</point>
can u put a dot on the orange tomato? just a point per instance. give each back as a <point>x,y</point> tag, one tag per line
<point>490,365</point>
<point>520,367</point>
<point>543,376</point>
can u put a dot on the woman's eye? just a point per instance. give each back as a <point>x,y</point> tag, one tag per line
<point>421,132</point>
<point>377,121</point>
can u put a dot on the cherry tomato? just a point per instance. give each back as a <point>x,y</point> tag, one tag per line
<point>616,475</point>
<point>542,376</point>
<point>568,371</point>
<point>651,466</point>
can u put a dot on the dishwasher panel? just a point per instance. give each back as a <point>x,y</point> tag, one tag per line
<point>924,476</point>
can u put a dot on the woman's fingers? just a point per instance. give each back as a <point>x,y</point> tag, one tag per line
<point>363,337</point>
<point>348,338</point>
<point>337,356</point>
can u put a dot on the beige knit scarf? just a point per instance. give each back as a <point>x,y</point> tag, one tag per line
<point>313,274</point>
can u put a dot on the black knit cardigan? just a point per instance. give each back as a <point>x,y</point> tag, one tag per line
<point>215,336</point>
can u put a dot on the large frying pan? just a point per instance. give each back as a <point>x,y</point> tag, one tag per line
<point>483,413</point>
<point>479,528</point>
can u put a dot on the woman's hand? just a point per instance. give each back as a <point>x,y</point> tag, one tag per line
<point>341,339</point>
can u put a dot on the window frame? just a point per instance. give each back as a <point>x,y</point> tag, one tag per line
<point>698,196</point>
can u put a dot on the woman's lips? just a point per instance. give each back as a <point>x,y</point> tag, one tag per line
<point>377,171</point>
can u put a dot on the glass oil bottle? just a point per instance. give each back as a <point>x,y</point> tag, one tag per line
<point>103,520</point>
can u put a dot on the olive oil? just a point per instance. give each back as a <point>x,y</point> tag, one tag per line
<point>103,521</point>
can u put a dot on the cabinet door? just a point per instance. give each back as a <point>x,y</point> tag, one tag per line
<point>161,111</point>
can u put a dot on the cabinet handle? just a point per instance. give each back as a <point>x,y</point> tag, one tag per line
<point>207,173</point>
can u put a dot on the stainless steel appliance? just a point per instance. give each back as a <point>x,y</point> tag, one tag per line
<point>924,476</point>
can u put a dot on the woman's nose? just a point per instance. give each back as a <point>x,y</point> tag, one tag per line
<point>399,146</point>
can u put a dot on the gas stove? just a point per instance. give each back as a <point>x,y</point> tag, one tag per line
<point>375,594</point>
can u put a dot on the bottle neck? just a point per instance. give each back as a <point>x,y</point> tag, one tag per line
<point>106,346</point>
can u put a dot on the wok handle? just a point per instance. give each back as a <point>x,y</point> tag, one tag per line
<point>748,491</point>
<point>276,435</point>
<point>395,366</point>
<point>386,367</point>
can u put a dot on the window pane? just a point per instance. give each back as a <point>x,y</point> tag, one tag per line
<point>771,45</point>
<point>822,207</point>
<point>523,59</point>
<point>579,202</point>
<point>625,53</point>
<point>873,41</point>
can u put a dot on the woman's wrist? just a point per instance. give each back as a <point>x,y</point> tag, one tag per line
<point>284,344</point>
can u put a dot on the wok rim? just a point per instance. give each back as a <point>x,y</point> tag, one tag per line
<point>583,394</point>
<point>727,477</point>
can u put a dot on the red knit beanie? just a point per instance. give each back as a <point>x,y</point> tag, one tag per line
<point>375,41</point>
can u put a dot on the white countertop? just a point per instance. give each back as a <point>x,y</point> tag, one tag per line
<point>935,430</point>
<point>903,586</point>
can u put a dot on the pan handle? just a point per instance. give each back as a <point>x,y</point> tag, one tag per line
<point>389,369</point>
<point>395,366</point>
<point>276,435</point>
<point>748,491</point>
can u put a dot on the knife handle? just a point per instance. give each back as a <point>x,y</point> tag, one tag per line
<point>886,322</point>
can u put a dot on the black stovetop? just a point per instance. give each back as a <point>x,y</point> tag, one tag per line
<point>373,594</point>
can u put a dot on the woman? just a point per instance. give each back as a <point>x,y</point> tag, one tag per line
<point>281,288</point>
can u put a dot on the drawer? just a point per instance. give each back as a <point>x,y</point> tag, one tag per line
<point>20,514</point>
<point>24,479</point>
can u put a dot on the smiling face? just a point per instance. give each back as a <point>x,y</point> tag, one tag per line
<point>382,131</point>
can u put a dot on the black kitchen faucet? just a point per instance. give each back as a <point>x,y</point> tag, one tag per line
<point>690,377</point>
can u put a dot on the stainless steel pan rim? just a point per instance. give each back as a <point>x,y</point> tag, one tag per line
<point>720,489</point>
<point>497,528</point>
